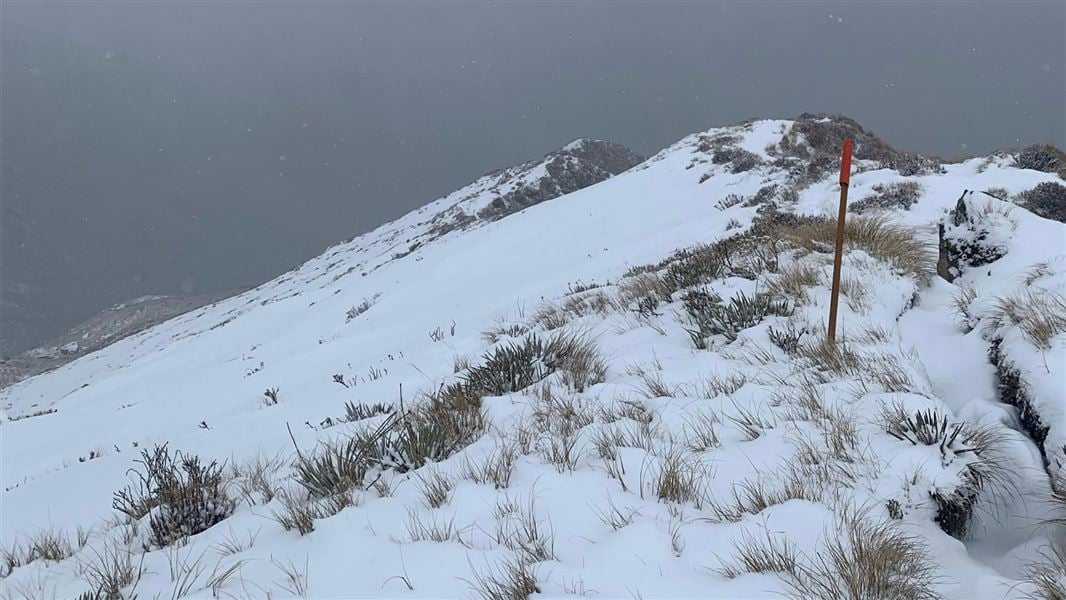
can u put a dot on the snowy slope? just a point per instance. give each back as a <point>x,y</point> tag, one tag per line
<point>434,281</point>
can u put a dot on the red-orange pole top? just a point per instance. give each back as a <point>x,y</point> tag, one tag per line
<point>845,163</point>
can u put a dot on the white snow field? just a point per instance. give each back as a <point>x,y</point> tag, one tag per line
<point>715,454</point>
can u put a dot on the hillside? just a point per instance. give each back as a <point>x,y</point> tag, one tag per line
<point>622,391</point>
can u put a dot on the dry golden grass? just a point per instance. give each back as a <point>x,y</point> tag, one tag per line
<point>1047,574</point>
<point>905,248</point>
<point>1040,316</point>
<point>794,280</point>
<point>868,560</point>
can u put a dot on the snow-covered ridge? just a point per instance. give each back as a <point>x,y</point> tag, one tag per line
<point>376,314</point>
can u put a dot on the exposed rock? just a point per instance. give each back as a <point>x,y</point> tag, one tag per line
<point>972,236</point>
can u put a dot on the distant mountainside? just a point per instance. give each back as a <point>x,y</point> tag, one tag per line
<point>108,327</point>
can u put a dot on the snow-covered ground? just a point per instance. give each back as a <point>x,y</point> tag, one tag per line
<point>643,484</point>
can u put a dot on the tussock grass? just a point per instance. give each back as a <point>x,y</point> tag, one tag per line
<point>700,433</point>
<point>47,544</point>
<point>510,579</point>
<point>614,517</point>
<point>715,385</point>
<point>1047,574</point>
<point>651,381</point>
<point>1040,316</point>
<point>257,480</point>
<point>794,280</point>
<point>436,488</point>
<point>751,422</point>
<point>961,301</point>
<point>750,497</point>
<point>301,514</point>
<point>111,569</point>
<point>641,286</point>
<point>519,530</point>
<point>763,555</point>
<point>678,477</point>
<point>838,358</point>
<point>904,248</point>
<point>868,560</point>
<point>435,530</point>
<point>495,469</point>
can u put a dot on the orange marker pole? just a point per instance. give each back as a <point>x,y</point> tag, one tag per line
<point>845,178</point>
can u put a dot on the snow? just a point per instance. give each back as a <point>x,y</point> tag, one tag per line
<point>212,366</point>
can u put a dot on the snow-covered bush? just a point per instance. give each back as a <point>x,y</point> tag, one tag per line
<point>740,160</point>
<point>339,465</point>
<point>1041,157</point>
<point>1047,199</point>
<point>181,495</point>
<point>518,365</point>
<point>741,312</point>
<point>973,453</point>
<point>899,195</point>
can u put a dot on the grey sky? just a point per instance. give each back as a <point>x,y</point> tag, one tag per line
<point>151,146</point>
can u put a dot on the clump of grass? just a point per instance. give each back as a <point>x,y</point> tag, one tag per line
<point>902,247</point>
<point>300,514</point>
<point>110,570</point>
<point>257,479</point>
<point>679,477</point>
<point>503,329</point>
<point>436,488</point>
<point>792,282</point>
<point>752,497</point>
<point>512,579</point>
<point>868,560</point>
<point>1040,317</point>
<point>871,560</point>
<point>837,358</point>
<point>48,545</point>
<point>1047,574</point>
<point>519,530</point>
<point>763,555</point>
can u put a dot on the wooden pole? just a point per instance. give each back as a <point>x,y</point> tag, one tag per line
<point>845,179</point>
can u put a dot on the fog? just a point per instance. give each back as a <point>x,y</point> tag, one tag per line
<point>193,147</point>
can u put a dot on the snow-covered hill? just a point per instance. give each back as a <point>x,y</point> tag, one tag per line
<point>686,432</point>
